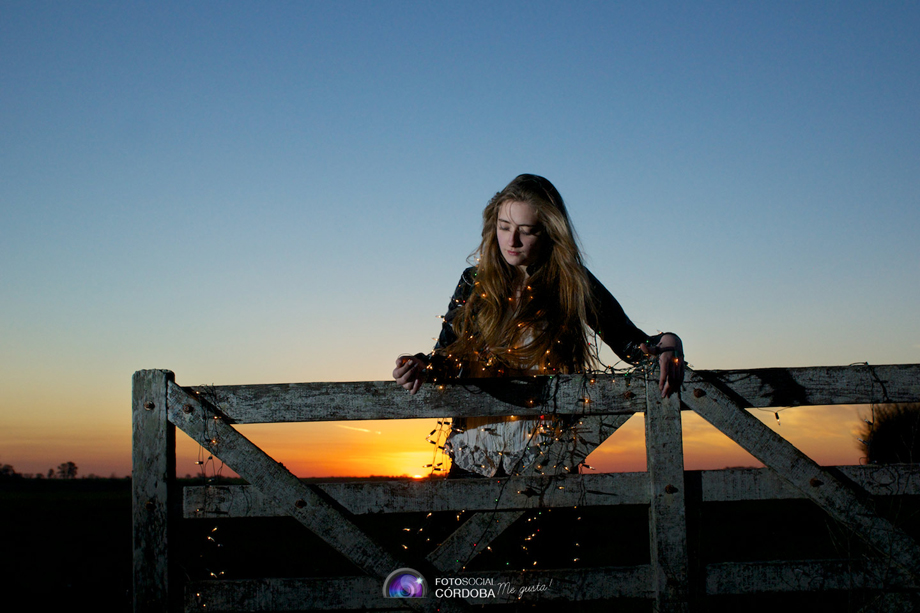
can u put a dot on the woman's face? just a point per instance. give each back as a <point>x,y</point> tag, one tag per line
<point>520,235</point>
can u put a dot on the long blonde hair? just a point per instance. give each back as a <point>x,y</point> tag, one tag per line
<point>511,324</point>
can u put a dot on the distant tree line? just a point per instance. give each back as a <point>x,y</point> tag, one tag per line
<point>65,470</point>
<point>7,473</point>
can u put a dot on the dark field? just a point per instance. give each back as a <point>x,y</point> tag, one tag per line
<point>67,546</point>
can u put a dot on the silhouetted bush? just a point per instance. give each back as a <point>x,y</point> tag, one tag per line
<point>892,434</point>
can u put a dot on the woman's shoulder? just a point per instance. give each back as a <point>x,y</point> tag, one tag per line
<point>467,281</point>
<point>469,274</point>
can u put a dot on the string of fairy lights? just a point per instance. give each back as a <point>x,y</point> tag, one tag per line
<point>546,488</point>
<point>554,441</point>
<point>210,471</point>
<point>550,448</point>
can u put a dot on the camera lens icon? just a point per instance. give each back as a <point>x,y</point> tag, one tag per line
<point>405,583</point>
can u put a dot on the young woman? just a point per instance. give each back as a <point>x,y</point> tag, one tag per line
<point>526,308</point>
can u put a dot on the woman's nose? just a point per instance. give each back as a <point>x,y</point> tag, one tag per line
<point>516,239</point>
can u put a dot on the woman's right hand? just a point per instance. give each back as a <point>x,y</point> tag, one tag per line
<point>410,372</point>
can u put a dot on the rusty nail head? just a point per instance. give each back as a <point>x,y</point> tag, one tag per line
<point>300,504</point>
<point>149,405</point>
<point>698,393</point>
<point>150,505</point>
<point>815,482</point>
<point>670,489</point>
<point>187,408</point>
<point>629,394</point>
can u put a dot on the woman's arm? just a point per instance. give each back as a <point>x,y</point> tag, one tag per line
<point>632,344</point>
<point>412,371</point>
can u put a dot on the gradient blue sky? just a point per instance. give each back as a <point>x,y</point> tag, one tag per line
<point>251,192</point>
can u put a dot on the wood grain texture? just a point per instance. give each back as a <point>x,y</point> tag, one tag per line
<point>605,489</point>
<point>564,394</point>
<point>152,480</point>
<point>667,510</point>
<point>811,386</point>
<point>412,496</point>
<point>805,576</point>
<point>736,484</point>
<point>534,396</point>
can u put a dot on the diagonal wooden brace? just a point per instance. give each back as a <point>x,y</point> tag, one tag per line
<point>837,497</point>
<point>281,487</point>
<point>471,539</point>
<point>276,483</point>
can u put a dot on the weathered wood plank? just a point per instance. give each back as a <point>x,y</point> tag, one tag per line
<point>604,489</point>
<point>152,477</point>
<point>667,510</point>
<point>805,576</point>
<point>824,487</point>
<point>736,484</point>
<point>471,539</point>
<point>562,585</point>
<point>610,394</point>
<point>411,496</point>
<point>811,386</point>
<point>303,402</point>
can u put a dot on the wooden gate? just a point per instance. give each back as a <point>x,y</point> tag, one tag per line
<point>671,581</point>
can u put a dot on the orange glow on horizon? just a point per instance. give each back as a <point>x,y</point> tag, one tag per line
<point>399,447</point>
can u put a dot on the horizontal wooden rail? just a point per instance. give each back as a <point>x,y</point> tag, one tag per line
<point>306,402</point>
<point>813,385</point>
<point>805,576</point>
<point>735,484</point>
<point>605,489</point>
<point>564,394</point>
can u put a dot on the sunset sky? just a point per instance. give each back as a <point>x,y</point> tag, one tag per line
<point>288,191</point>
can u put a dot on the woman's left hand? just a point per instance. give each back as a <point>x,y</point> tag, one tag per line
<point>670,352</point>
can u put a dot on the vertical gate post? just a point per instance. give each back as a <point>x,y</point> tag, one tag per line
<point>153,478</point>
<point>667,511</point>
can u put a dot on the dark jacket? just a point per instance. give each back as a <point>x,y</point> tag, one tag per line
<point>612,325</point>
